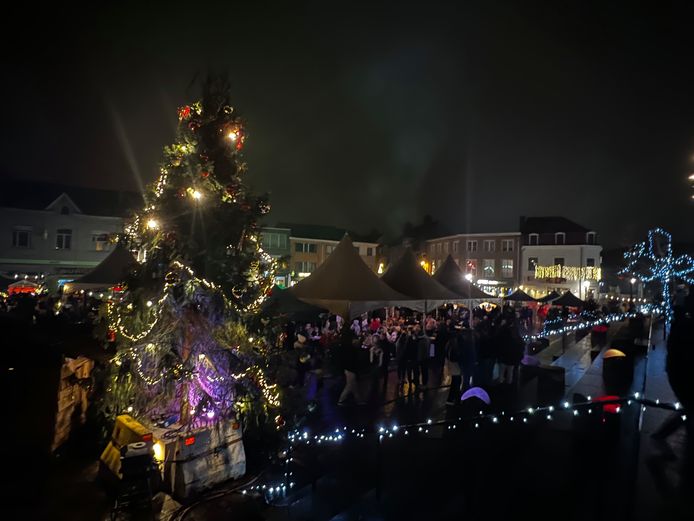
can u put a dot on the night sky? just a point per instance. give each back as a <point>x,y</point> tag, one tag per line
<point>366,118</point>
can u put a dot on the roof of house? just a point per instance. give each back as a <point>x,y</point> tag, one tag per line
<point>550,225</point>
<point>322,232</point>
<point>34,195</point>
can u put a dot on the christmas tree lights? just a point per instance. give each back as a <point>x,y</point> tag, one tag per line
<point>183,349</point>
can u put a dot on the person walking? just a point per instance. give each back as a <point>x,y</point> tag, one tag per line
<point>423,352</point>
<point>511,349</point>
<point>412,358</point>
<point>468,356</point>
<point>452,365</point>
<point>349,351</point>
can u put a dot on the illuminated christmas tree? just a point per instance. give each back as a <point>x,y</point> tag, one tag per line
<point>184,355</point>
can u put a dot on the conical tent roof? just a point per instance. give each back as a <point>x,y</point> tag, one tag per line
<point>408,277</point>
<point>520,296</point>
<point>568,299</point>
<point>345,285</point>
<point>549,297</point>
<point>283,302</point>
<point>451,276</point>
<point>113,270</point>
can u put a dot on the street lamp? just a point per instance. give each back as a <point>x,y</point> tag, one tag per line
<point>633,281</point>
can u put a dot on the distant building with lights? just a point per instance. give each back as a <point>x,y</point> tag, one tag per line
<point>50,231</point>
<point>559,254</point>
<point>491,260</point>
<point>308,246</point>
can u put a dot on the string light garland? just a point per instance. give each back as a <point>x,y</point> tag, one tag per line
<point>168,336</point>
<point>548,328</point>
<point>654,261</point>
<point>387,430</point>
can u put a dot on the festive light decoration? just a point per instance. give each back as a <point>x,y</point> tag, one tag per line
<point>653,261</point>
<point>601,406</point>
<point>183,351</point>
<point>558,271</point>
<point>550,329</point>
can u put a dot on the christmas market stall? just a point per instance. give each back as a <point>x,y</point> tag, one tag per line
<point>346,286</point>
<point>407,277</point>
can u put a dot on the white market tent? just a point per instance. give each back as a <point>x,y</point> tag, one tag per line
<point>112,271</point>
<point>346,286</point>
<point>409,278</point>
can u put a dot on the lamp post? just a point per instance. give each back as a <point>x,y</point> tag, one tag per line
<point>631,294</point>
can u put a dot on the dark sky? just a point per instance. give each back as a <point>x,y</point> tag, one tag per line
<point>361,117</point>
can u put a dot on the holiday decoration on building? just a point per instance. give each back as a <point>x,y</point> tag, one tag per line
<point>184,354</point>
<point>654,261</point>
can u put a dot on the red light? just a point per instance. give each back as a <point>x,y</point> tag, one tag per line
<point>189,441</point>
<point>147,437</point>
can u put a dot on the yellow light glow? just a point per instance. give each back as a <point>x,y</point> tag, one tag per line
<point>380,268</point>
<point>158,448</point>
<point>233,135</point>
<point>152,224</point>
<point>197,195</point>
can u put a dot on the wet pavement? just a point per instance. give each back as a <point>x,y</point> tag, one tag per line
<point>567,467</point>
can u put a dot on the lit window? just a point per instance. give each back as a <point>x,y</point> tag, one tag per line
<point>507,268</point>
<point>488,268</point>
<point>532,263</point>
<point>100,241</point>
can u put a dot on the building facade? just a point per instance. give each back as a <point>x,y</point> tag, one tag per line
<point>491,260</point>
<point>59,239</point>
<point>275,241</point>
<point>559,255</point>
<point>310,245</point>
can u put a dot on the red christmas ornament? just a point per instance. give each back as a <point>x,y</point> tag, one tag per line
<point>111,335</point>
<point>183,113</point>
<point>204,175</point>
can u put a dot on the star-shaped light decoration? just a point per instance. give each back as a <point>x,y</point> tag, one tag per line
<point>653,260</point>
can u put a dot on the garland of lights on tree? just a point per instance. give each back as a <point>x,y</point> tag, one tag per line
<point>653,261</point>
<point>184,355</point>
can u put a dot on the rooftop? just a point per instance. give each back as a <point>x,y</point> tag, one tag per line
<point>550,225</point>
<point>33,195</point>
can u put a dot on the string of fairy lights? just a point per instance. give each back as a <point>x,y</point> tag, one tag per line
<point>387,430</point>
<point>549,328</point>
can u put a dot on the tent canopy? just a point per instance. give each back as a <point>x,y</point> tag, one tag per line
<point>346,286</point>
<point>568,299</point>
<point>113,270</point>
<point>451,276</point>
<point>549,297</point>
<point>407,277</point>
<point>283,302</point>
<point>520,296</point>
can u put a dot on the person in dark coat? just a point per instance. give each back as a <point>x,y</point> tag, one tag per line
<point>511,349</point>
<point>679,366</point>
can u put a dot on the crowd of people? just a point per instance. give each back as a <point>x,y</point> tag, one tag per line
<point>459,345</point>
